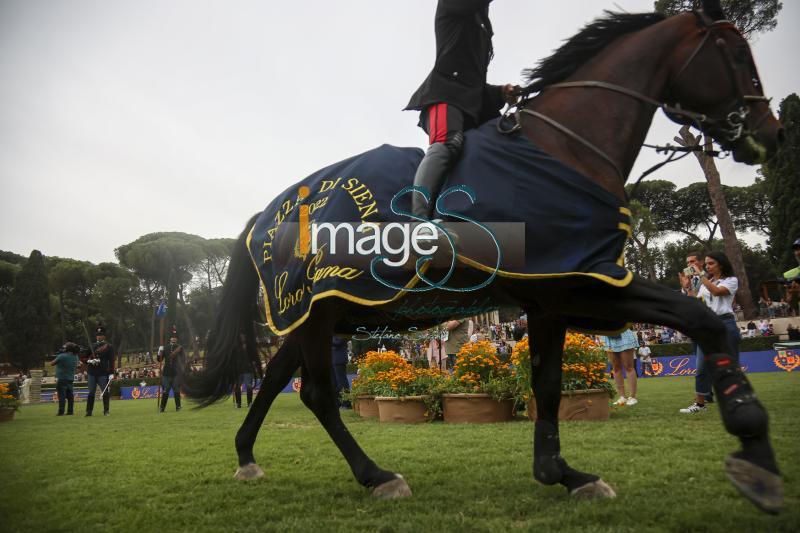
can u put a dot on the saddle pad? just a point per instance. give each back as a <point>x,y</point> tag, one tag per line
<point>565,225</point>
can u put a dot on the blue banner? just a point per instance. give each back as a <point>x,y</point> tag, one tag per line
<point>766,361</point>
<point>78,393</point>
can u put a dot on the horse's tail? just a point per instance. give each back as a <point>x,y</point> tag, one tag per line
<point>231,346</point>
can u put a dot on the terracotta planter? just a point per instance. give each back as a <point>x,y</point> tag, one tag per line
<point>366,407</point>
<point>578,405</point>
<point>7,414</point>
<point>404,410</point>
<point>476,409</point>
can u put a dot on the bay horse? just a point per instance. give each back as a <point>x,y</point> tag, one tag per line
<point>596,98</point>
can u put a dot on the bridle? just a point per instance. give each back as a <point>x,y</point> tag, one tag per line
<point>729,126</point>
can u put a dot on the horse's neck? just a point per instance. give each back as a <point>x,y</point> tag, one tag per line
<point>615,123</point>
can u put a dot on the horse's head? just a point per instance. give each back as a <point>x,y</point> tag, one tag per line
<point>713,74</point>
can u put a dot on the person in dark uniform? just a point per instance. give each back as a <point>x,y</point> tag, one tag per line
<point>455,96</point>
<point>339,361</point>
<point>100,365</point>
<point>174,359</point>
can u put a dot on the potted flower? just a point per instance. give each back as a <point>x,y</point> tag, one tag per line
<point>585,387</point>
<point>482,388</point>
<point>9,403</point>
<point>365,386</point>
<point>408,394</point>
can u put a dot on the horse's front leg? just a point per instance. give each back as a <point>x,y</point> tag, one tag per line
<point>547,346</point>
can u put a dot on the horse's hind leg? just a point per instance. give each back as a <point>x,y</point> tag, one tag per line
<point>278,373</point>
<point>319,395</point>
<point>547,337</point>
<point>752,470</point>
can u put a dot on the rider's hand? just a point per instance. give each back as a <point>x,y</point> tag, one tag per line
<point>510,93</point>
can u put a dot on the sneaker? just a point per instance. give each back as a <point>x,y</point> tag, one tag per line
<point>631,401</point>
<point>106,413</point>
<point>622,400</point>
<point>694,408</point>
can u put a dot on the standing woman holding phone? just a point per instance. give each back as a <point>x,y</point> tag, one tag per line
<point>717,290</point>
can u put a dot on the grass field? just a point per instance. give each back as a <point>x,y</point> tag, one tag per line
<point>139,471</point>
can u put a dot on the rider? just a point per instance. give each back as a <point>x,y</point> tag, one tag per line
<point>455,96</point>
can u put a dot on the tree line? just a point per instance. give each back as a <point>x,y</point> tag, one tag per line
<point>45,301</point>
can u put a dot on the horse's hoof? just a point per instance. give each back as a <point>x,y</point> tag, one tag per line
<point>393,490</point>
<point>593,491</point>
<point>757,484</point>
<point>248,472</point>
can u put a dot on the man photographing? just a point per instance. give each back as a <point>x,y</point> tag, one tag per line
<point>100,365</point>
<point>66,362</point>
<point>690,277</point>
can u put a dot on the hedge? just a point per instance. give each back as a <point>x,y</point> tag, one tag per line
<point>747,344</point>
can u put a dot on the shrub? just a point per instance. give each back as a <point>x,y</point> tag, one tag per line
<point>478,369</point>
<point>369,366</point>
<point>408,381</point>
<point>388,374</point>
<point>583,365</point>
<point>7,399</point>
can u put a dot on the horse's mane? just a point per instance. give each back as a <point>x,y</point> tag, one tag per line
<point>584,45</point>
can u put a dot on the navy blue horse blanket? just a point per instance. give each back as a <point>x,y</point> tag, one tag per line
<point>554,222</point>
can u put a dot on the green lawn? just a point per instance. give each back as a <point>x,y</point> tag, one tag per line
<point>139,471</point>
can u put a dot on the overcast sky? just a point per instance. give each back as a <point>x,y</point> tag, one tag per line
<point>124,117</point>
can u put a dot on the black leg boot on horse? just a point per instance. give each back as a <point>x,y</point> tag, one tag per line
<point>549,468</point>
<point>753,470</point>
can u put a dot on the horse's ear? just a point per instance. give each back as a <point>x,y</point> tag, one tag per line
<point>713,8</point>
